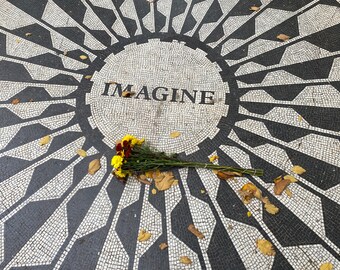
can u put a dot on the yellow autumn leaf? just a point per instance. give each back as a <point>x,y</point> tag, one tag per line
<point>185,260</point>
<point>283,37</point>
<point>248,214</point>
<point>300,118</point>
<point>271,208</point>
<point>254,8</point>
<point>153,191</point>
<point>175,134</point>
<point>175,183</point>
<point>143,236</point>
<point>326,266</point>
<point>45,140</point>
<point>298,169</point>
<point>81,153</point>
<point>292,179</point>
<point>88,77</point>
<point>94,166</point>
<point>265,247</point>
<point>83,57</point>
<point>213,158</point>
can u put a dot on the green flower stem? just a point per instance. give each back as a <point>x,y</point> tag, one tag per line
<point>154,164</point>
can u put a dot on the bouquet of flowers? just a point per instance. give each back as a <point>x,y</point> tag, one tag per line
<point>134,157</point>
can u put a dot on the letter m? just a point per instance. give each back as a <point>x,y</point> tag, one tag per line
<point>118,89</point>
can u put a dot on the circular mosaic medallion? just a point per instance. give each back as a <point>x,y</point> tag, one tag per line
<point>255,83</point>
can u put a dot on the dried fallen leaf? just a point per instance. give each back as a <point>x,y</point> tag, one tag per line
<point>31,100</point>
<point>213,158</point>
<point>175,134</point>
<point>28,34</point>
<point>144,181</point>
<point>280,186</point>
<point>164,181</point>
<point>127,93</point>
<point>298,169</point>
<point>143,236</point>
<point>81,153</point>
<point>112,82</point>
<point>248,214</point>
<point>288,192</point>
<point>225,175</point>
<point>326,266</point>
<point>203,191</point>
<point>153,191</point>
<point>271,208</point>
<point>265,247</point>
<point>265,200</point>
<point>185,260</point>
<point>283,37</point>
<point>45,140</point>
<point>249,191</point>
<point>94,166</point>
<point>88,77</point>
<point>83,57</point>
<point>163,246</point>
<point>15,101</point>
<point>300,118</point>
<point>149,174</point>
<point>292,179</point>
<point>195,231</point>
<point>254,8</point>
<point>18,40</point>
<point>65,52</point>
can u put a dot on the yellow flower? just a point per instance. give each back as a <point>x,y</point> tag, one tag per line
<point>117,162</point>
<point>120,173</point>
<point>132,140</point>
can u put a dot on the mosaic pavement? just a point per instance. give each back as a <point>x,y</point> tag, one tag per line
<point>213,70</point>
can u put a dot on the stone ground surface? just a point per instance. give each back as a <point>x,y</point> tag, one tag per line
<point>252,99</point>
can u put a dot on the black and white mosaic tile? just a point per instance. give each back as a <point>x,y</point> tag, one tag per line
<point>211,69</point>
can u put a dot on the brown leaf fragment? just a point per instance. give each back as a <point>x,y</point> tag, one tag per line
<point>127,94</point>
<point>112,82</point>
<point>143,236</point>
<point>283,37</point>
<point>142,177</point>
<point>175,183</point>
<point>271,208</point>
<point>185,260</point>
<point>298,169</point>
<point>65,52</point>
<point>87,77</point>
<point>326,266</point>
<point>265,200</point>
<point>265,247</point>
<point>254,8</point>
<point>81,153</point>
<point>225,175</point>
<point>249,191</point>
<point>292,179</point>
<point>31,100</point>
<point>45,140</point>
<point>163,246</point>
<point>175,134</point>
<point>83,57</point>
<point>94,166</point>
<point>18,40</point>
<point>300,118</point>
<point>195,231</point>
<point>280,186</point>
<point>144,181</point>
<point>288,192</point>
<point>15,101</point>
<point>28,34</point>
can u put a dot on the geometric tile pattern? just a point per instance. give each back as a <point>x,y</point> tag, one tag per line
<point>213,70</point>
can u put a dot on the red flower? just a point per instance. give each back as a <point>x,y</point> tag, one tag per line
<point>125,143</point>
<point>119,147</point>
<point>128,152</point>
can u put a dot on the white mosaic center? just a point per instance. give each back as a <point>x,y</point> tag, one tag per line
<point>176,88</point>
